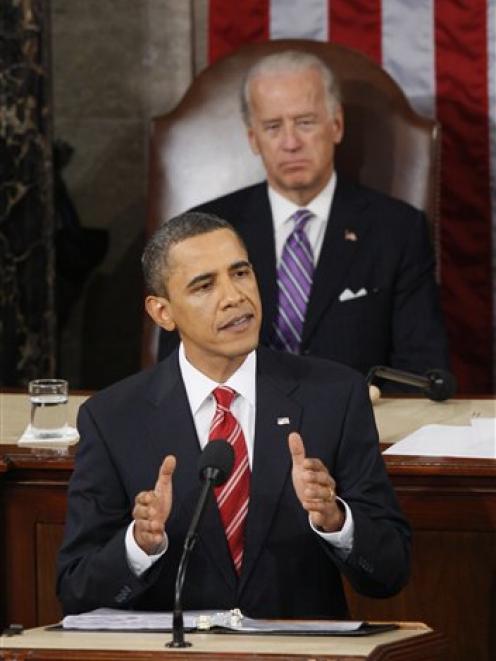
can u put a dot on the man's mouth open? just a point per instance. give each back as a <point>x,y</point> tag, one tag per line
<point>238,324</point>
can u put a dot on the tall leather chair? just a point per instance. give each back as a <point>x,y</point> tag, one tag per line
<point>199,150</point>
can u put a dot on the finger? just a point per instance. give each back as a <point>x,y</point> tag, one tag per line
<point>296,448</point>
<point>320,478</point>
<point>311,463</point>
<point>148,539</point>
<point>317,507</point>
<point>149,526</point>
<point>315,472</point>
<point>165,474</point>
<point>146,512</point>
<point>324,504</point>
<point>144,498</point>
<point>321,493</point>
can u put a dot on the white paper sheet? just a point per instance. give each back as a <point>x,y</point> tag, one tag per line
<point>477,440</point>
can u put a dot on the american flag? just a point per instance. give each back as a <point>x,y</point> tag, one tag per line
<point>442,54</point>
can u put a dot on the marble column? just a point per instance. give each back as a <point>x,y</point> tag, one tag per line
<point>27,315</point>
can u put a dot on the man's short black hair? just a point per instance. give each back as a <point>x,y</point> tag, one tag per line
<point>155,259</point>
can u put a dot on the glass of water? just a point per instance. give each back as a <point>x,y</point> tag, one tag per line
<point>48,399</point>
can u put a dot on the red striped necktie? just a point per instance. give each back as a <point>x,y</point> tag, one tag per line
<point>233,496</point>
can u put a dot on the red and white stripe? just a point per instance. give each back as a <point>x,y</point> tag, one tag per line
<point>443,56</point>
<point>233,496</point>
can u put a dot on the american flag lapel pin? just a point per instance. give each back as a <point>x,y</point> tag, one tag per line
<point>350,235</point>
<point>283,421</point>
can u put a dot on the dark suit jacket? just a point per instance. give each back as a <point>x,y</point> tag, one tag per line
<point>288,571</point>
<point>398,323</point>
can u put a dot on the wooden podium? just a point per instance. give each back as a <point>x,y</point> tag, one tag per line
<point>451,504</point>
<point>411,642</point>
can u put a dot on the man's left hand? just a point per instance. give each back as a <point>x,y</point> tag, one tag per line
<point>315,488</point>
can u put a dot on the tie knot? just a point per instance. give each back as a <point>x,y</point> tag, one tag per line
<point>301,217</point>
<point>224,396</point>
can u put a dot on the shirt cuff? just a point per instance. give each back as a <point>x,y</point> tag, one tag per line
<point>342,540</point>
<point>137,559</point>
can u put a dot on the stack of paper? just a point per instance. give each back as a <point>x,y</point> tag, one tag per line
<point>108,619</point>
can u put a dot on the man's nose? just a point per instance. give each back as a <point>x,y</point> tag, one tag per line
<point>290,138</point>
<point>231,293</point>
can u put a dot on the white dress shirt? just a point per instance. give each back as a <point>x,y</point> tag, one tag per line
<point>202,403</point>
<point>283,209</point>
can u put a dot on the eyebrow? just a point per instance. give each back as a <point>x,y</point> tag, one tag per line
<point>300,115</point>
<point>205,277</point>
<point>202,277</point>
<point>242,263</point>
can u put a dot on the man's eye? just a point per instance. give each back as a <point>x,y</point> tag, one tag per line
<point>271,127</point>
<point>204,286</point>
<point>242,273</point>
<point>305,123</point>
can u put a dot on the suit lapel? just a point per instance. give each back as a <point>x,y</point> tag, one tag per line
<point>169,422</point>
<point>271,462</point>
<point>171,430</point>
<point>257,230</point>
<point>347,221</point>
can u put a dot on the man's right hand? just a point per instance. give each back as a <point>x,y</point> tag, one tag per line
<point>152,509</point>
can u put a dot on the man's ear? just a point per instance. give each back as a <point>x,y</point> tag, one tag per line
<point>338,125</point>
<point>158,307</point>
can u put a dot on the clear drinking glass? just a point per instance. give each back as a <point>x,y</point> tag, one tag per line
<point>48,399</point>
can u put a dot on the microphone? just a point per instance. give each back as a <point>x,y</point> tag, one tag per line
<point>214,467</point>
<point>437,384</point>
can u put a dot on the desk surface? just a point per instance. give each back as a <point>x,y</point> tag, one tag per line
<point>15,414</point>
<point>395,417</point>
<point>412,641</point>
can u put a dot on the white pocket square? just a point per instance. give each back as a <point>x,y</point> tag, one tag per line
<point>348,295</point>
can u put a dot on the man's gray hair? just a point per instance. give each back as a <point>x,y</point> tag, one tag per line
<point>155,259</point>
<point>290,61</point>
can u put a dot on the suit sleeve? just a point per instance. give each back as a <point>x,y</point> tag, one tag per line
<point>379,563</point>
<point>418,336</point>
<point>92,566</point>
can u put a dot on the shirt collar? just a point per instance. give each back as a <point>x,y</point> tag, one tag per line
<point>199,386</point>
<point>283,209</point>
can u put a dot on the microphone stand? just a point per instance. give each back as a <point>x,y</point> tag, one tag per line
<point>399,376</point>
<point>437,384</point>
<point>211,475</point>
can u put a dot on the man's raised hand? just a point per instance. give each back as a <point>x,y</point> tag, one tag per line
<point>315,488</point>
<point>152,509</point>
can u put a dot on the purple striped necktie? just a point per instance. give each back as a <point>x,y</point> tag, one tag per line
<point>294,282</point>
<point>233,496</point>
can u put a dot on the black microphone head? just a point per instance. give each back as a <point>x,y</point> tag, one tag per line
<point>216,461</point>
<point>442,385</point>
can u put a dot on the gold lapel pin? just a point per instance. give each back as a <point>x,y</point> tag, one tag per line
<point>349,235</point>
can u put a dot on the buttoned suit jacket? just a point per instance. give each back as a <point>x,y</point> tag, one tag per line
<point>288,571</point>
<point>372,242</point>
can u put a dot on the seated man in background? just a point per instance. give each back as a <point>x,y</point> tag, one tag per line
<point>308,499</point>
<point>344,272</point>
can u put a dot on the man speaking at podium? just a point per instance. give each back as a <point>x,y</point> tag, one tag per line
<point>308,498</point>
